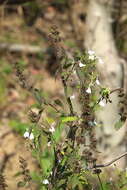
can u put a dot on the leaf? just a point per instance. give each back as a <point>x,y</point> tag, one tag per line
<point>19,126</point>
<point>58,102</point>
<point>21,184</point>
<point>68,119</point>
<point>66,66</point>
<point>58,131</point>
<point>118,124</point>
<point>37,95</point>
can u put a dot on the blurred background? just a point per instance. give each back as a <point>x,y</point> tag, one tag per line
<point>99,25</point>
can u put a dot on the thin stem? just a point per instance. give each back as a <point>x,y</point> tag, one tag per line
<point>100,181</point>
<point>117,89</point>
<point>67,97</point>
<point>109,163</point>
<point>51,105</point>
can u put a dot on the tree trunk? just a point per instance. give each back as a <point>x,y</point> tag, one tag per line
<point>99,37</point>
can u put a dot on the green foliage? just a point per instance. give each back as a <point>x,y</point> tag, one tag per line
<point>6,68</point>
<point>22,63</point>
<point>65,119</point>
<point>18,126</point>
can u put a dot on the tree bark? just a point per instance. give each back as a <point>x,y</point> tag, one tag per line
<point>99,37</point>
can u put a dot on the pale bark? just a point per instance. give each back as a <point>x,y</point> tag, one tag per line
<point>22,48</point>
<point>99,38</point>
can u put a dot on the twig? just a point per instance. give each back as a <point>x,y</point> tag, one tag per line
<point>117,89</point>
<point>22,48</point>
<point>109,163</point>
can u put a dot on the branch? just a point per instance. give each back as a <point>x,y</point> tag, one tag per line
<point>117,89</point>
<point>22,48</point>
<point>109,163</point>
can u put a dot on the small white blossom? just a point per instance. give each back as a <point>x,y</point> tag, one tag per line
<point>88,90</point>
<point>101,103</point>
<point>81,64</point>
<point>95,123</point>
<point>45,181</point>
<point>49,144</point>
<point>28,135</point>
<point>52,128</point>
<point>74,72</point>
<point>72,97</point>
<point>97,82</point>
<point>31,136</point>
<point>91,52</point>
<point>100,61</point>
<point>92,57</point>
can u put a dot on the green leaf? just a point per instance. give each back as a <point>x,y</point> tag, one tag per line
<point>68,119</point>
<point>7,69</point>
<point>66,66</point>
<point>36,177</point>
<point>118,124</point>
<point>21,184</point>
<point>37,95</point>
<point>58,131</point>
<point>19,126</point>
<point>22,62</point>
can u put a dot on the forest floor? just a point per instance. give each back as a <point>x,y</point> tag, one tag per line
<point>14,101</point>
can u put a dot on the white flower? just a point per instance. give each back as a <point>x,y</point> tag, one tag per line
<point>28,135</point>
<point>72,97</point>
<point>97,82</point>
<point>45,181</point>
<point>49,143</point>
<point>100,61</point>
<point>88,90</point>
<point>101,103</point>
<point>81,64</point>
<point>91,52</point>
<point>74,72</point>
<point>52,129</point>
<point>31,136</point>
<point>95,123</point>
<point>92,57</point>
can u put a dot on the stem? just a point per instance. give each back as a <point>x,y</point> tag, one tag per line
<point>117,89</point>
<point>67,98</point>
<point>109,163</point>
<point>100,181</point>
